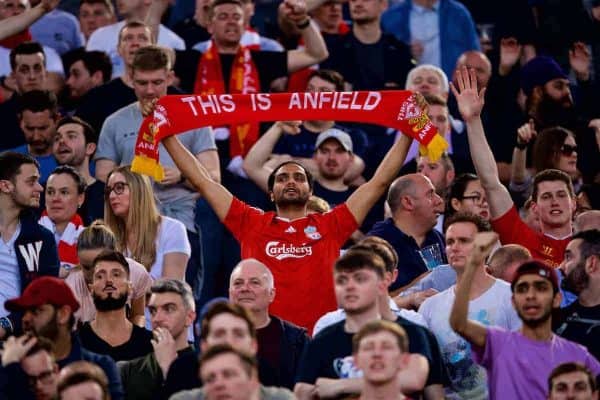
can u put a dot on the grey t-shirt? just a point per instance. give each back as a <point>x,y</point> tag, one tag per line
<point>117,143</point>
<point>266,393</point>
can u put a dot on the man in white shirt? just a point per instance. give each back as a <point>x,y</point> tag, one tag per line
<point>106,38</point>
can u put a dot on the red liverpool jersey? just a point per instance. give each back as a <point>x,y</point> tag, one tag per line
<point>511,229</point>
<point>299,253</point>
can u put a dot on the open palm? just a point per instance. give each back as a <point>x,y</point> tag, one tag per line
<point>470,102</point>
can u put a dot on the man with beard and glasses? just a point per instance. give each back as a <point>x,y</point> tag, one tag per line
<point>27,250</point>
<point>37,114</point>
<point>30,372</point>
<point>580,321</point>
<point>47,306</point>
<point>295,246</point>
<point>553,198</point>
<point>111,333</point>
<point>506,354</point>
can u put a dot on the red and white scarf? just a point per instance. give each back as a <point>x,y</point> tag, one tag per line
<point>244,79</point>
<point>67,246</point>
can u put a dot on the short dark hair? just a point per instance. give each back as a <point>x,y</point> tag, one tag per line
<point>176,286</point>
<point>132,24</point>
<point>37,101</point>
<point>377,326</point>
<point>224,307</point>
<point>590,243</point>
<point>25,48</point>
<point>330,76</point>
<point>481,224</point>
<point>382,248</point>
<point>73,173</point>
<point>10,164</point>
<point>90,133</point>
<point>271,179</point>
<point>93,61</point>
<point>105,3</point>
<point>549,175</point>
<point>216,3</point>
<point>356,259</point>
<point>570,367</point>
<point>151,58</point>
<point>457,190</point>
<point>248,361</point>
<point>112,256</point>
<point>83,371</point>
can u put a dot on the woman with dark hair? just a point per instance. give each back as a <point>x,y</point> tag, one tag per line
<point>467,195</point>
<point>554,148</point>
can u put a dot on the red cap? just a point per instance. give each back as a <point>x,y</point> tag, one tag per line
<point>537,268</point>
<point>44,290</point>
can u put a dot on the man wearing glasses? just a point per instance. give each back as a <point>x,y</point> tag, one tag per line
<point>30,369</point>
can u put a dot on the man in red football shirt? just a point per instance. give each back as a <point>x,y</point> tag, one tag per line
<point>552,196</point>
<point>299,248</point>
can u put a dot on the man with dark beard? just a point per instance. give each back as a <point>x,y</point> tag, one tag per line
<point>111,333</point>
<point>296,246</point>
<point>504,354</point>
<point>48,304</point>
<point>580,321</point>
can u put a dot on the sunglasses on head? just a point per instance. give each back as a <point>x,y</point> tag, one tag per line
<point>567,149</point>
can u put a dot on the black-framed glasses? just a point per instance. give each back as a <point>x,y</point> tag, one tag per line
<point>44,377</point>
<point>568,149</point>
<point>476,198</point>
<point>118,188</point>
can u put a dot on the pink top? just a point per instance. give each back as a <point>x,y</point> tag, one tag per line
<point>140,281</point>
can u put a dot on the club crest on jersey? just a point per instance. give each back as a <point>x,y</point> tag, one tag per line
<point>312,233</point>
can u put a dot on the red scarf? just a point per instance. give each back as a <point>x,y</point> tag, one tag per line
<point>67,247</point>
<point>242,80</point>
<point>398,109</point>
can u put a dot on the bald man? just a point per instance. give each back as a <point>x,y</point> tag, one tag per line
<point>505,260</point>
<point>587,220</point>
<point>414,206</point>
<point>280,343</point>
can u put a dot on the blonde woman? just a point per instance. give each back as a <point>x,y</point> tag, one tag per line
<point>159,243</point>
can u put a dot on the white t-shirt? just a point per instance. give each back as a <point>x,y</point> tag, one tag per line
<point>338,315</point>
<point>106,39</point>
<point>492,308</point>
<point>171,238</point>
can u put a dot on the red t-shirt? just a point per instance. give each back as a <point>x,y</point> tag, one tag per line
<point>299,253</point>
<point>511,229</point>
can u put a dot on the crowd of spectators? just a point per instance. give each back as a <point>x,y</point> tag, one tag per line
<point>313,259</point>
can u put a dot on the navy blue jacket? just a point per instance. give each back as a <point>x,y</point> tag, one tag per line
<point>410,263</point>
<point>37,255</point>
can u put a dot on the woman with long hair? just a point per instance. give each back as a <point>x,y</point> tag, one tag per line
<point>466,195</point>
<point>158,242</point>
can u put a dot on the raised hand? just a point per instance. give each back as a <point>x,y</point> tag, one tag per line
<point>526,133</point>
<point>580,60</point>
<point>290,127</point>
<point>470,101</point>
<point>15,348</point>
<point>482,247</point>
<point>294,10</point>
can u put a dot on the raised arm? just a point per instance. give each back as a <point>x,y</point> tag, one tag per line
<point>254,162</point>
<point>525,134</point>
<point>473,331</point>
<point>17,23</point>
<point>361,201</point>
<point>314,50</point>
<point>217,196</point>
<point>470,104</point>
